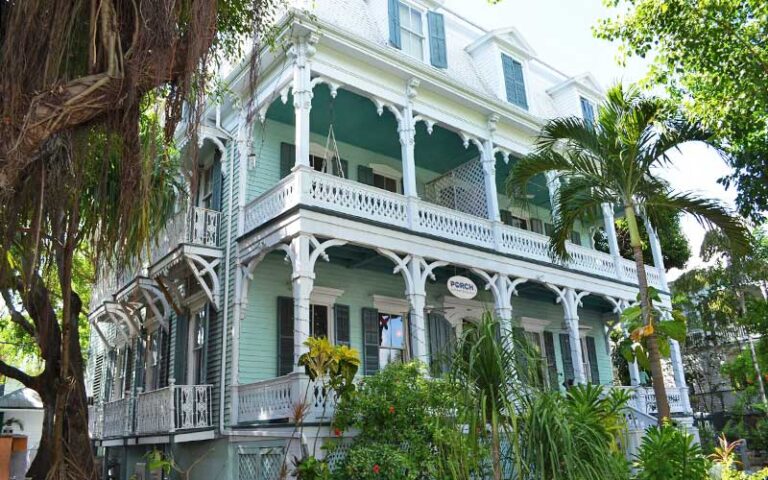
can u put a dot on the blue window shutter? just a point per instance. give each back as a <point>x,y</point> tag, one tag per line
<point>514,81</point>
<point>217,182</point>
<point>587,111</point>
<point>437,50</point>
<point>394,23</point>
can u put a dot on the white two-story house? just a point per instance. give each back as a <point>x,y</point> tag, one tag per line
<point>337,199</point>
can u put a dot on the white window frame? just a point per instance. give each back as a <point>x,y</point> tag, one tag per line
<point>590,101</point>
<point>526,79</point>
<point>458,309</point>
<point>394,306</point>
<point>152,371</point>
<point>389,172</point>
<point>196,307</point>
<point>424,29</point>
<point>583,331</point>
<point>539,326</point>
<point>326,297</point>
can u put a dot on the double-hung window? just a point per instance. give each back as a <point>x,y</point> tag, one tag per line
<point>411,31</point>
<point>391,338</point>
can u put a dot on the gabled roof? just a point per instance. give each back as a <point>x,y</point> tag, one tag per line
<point>585,82</point>
<point>23,398</point>
<point>509,38</point>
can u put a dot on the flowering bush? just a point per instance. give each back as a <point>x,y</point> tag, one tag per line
<point>403,419</point>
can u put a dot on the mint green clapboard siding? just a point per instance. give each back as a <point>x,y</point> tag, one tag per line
<point>266,172</point>
<point>258,332</point>
<point>546,309</point>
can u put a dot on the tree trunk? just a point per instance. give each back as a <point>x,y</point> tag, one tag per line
<point>751,343</point>
<point>496,451</point>
<point>42,462</point>
<point>654,356</point>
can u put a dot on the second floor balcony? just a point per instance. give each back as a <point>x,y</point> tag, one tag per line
<point>308,188</point>
<point>170,410</point>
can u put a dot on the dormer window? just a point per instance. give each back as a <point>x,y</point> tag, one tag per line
<point>587,110</point>
<point>409,27</point>
<point>514,82</point>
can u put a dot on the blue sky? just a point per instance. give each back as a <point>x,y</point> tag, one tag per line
<point>560,31</point>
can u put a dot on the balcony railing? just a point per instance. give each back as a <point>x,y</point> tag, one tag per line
<point>277,400</point>
<point>95,421</point>
<point>644,399</point>
<point>178,407</point>
<point>163,411</point>
<point>118,418</point>
<point>316,189</point>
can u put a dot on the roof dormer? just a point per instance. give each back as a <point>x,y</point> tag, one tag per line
<point>577,96</point>
<point>502,58</point>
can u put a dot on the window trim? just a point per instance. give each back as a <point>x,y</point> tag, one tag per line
<point>327,297</point>
<point>424,29</point>
<point>192,322</point>
<point>388,172</point>
<point>526,79</point>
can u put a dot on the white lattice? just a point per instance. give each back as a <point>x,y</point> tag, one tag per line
<point>271,462</point>
<point>462,189</point>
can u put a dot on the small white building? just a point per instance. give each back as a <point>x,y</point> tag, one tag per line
<point>25,406</point>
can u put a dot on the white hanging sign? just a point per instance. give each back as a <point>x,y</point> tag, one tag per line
<point>462,287</point>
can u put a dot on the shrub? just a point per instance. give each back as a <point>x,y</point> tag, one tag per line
<point>670,453</point>
<point>576,435</point>
<point>403,420</point>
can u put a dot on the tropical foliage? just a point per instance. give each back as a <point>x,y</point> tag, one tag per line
<point>613,162</point>
<point>670,453</point>
<point>712,57</point>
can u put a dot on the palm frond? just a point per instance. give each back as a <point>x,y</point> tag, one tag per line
<point>708,212</point>
<point>577,200</point>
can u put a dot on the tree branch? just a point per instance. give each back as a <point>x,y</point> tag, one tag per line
<point>13,372</point>
<point>16,316</point>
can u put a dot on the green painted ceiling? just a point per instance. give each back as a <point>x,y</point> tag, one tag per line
<point>356,122</point>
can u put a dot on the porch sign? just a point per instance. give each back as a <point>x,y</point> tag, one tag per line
<point>462,287</point>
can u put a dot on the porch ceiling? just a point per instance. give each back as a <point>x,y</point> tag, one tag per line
<point>356,122</point>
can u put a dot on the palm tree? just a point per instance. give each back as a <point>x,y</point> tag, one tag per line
<point>612,161</point>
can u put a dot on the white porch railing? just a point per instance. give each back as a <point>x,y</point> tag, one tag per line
<point>316,189</point>
<point>95,421</point>
<point>278,398</point>
<point>118,418</point>
<point>197,225</point>
<point>644,399</point>
<point>177,407</point>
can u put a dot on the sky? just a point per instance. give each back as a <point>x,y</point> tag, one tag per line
<point>560,32</point>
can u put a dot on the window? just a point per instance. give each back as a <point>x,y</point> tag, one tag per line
<point>576,238</point>
<point>385,183</point>
<point>205,188</point>
<point>391,338</point>
<point>587,110</point>
<point>318,321</point>
<point>118,385</point>
<point>152,362</point>
<point>196,373</point>
<point>537,226</point>
<point>508,219</point>
<point>513,81</point>
<point>411,31</point>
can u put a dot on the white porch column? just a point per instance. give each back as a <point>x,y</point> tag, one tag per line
<point>406,130</point>
<point>301,52</point>
<point>304,252</point>
<point>502,287</point>
<point>303,280</point>
<point>613,241</point>
<point>571,300</point>
<point>678,371</point>
<point>488,159</point>
<point>658,258</point>
<point>415,271</point>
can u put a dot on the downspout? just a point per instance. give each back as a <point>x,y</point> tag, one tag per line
<point>227,256</point>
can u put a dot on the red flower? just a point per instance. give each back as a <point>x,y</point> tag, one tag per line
<point>337,432</point>
<point>376,469</point>
<point>391,409</point>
